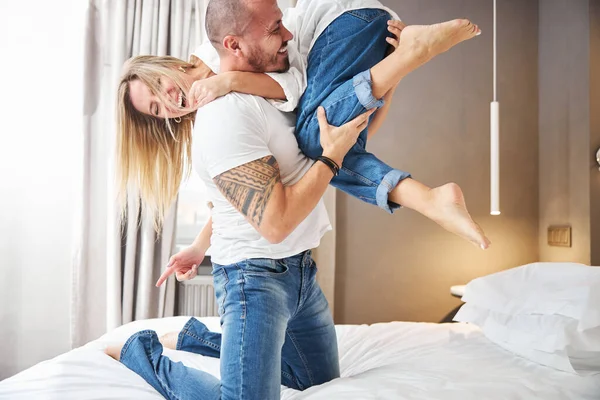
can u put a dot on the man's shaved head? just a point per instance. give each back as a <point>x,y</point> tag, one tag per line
<point>226,17</point>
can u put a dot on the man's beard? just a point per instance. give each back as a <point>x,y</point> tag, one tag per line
<point>261,62</point>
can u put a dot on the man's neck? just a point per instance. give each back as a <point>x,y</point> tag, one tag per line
<point>231,64</point>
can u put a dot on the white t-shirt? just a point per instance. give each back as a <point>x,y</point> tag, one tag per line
<point>234,130</point>
<point>306,22</point>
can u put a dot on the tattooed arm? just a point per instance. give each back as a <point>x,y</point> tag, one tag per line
<point>256,191</point>
<point>274,210</point>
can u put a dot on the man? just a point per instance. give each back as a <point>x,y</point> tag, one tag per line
<point>267,215</point>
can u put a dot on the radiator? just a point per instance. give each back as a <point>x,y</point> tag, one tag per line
<point>197,297</point>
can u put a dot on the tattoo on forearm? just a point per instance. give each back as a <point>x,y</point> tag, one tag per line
<point>249,187</point>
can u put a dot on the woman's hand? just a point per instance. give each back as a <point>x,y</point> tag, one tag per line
<point>184,264</point>
<point>208,89</point>
<point>395,27</point>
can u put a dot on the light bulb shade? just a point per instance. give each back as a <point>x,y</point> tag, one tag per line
<point>495,158</point>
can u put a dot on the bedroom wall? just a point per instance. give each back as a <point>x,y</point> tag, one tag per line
<point>401,267</point>
<point>569,129</point>
<point>39,160</point>
<point>566,167</point>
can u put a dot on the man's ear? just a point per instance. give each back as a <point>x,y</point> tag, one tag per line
<point>232,44</point>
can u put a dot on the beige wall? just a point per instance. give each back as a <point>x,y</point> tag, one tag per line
<point>564,120</point>
<point>400,267</point>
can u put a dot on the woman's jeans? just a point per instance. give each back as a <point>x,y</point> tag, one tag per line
<point>277,329</point>
<point>339,80</point>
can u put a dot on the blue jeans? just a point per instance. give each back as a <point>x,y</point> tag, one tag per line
<point>277,329</point>
<point>339,80</point>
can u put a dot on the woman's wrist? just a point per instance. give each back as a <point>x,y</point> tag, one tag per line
<point>200,247</point>
<point>229,80</point>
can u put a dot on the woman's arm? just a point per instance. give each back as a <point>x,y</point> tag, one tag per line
<point>254,83</point>
<point>204,91</point>
<point>185,263</point>
<point>202,241</point>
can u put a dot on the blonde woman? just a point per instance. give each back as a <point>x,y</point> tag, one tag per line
<point>277,328</point>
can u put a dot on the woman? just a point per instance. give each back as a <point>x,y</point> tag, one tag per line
<point>165,91</point>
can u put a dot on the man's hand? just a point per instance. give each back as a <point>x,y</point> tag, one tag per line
<point>337,141</point>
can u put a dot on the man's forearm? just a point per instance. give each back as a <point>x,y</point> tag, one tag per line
<point>300,199</point>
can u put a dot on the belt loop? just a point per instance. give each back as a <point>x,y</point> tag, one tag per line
<point>306,257</point>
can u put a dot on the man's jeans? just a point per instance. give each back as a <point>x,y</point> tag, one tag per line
<point>277,329</point>
<point>339,80</point>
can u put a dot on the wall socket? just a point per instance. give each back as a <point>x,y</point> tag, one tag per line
<point>559,236</point>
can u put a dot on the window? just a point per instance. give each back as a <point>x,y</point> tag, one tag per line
<point>192,210</point>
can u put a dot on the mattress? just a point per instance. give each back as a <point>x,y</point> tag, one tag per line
<point>396,360</point>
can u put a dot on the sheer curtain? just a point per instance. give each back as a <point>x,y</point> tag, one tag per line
<point>113,275</point>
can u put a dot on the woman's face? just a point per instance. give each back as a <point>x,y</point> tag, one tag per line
<point>148,103</point>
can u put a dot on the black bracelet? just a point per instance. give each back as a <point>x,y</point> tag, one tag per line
<point>331,164</point>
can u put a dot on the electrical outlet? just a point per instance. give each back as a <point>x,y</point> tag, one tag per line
<point>559,236</point>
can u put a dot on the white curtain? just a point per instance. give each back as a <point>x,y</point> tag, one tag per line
<point>113,275</point>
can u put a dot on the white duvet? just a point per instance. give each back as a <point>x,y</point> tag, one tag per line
<point>398,360</point>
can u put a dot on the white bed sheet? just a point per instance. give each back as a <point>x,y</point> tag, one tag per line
<point>398,360</point>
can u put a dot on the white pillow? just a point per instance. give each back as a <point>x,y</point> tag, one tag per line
<point>567,289</point>
<point>551,340</point>
<point>547,333</point>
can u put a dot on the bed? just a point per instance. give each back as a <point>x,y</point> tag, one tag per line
<point>396,360</point>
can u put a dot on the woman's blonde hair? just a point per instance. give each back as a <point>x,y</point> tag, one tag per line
<point>153,154</point>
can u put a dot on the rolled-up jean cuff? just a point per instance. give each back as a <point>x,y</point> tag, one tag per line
<point>364,91</point>
<point>188,325</point>
<point>388,183</point>
<point>147,333</point>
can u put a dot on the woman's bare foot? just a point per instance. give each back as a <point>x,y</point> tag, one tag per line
<point>428,41</point>
<point>114,351</point>
<point>449,210</point>
<point>169,340</point>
